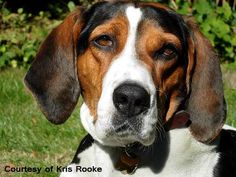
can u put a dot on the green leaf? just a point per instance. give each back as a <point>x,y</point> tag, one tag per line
<point>185,9</point>
<point>227,12</point>
<point>71,5</point>
<point>205,27</point>
<point>220,28</point>
<point>229,49</point>
<point>41,13</point>
<point>203,7</point>
<point>14,63</point>
<point>3,49</point>
<point>20,10</point>
<point>227,38</point>
<point>25,59</point>
<point>199,18</point>
<point>3,60</point>
<point>233,42</point>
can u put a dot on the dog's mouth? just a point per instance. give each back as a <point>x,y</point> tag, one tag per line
<point>127,133</point>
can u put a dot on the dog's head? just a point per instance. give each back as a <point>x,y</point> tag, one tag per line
<point>135,65</point>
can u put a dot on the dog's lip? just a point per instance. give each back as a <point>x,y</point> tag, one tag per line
<point>122,128</point>
<point>125,129</point>
<point>128,138</point>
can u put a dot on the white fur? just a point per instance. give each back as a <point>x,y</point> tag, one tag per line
<point>125,68</point>
<point>177,155</point>
<point>227,127</point>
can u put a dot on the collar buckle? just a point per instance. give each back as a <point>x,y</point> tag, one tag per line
<point>128,162</point>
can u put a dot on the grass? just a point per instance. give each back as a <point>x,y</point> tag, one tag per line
<point>229,76</point>
<point>28,139</point>
<point>229,67</point>
<point>230,96</point>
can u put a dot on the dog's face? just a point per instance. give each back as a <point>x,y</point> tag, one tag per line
<point>133,65</point>
<point>131,61</point>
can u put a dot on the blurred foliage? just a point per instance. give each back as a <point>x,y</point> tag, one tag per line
<point>20,36</point>
<point>218,23</point>
<point>24,25</point>
<point>57,8</point>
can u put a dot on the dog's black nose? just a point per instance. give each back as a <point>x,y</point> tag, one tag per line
<point>131,99</point>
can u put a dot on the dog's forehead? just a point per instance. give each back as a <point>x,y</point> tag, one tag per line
<point>104,11</point>
<point>159,15</point>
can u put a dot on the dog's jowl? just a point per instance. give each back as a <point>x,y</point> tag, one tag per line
<point>152,91</point>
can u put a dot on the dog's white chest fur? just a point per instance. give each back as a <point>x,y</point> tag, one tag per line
<point>176,155</point>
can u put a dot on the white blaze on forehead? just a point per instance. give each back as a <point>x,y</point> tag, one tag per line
<point>134,16</point>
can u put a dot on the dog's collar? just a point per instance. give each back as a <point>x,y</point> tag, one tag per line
<point>128,161</point>
<point>180,119</point>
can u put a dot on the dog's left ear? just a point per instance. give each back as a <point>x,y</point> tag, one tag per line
<point>206,102</point>
<point>52,77</point>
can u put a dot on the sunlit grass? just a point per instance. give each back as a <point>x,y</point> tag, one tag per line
<point>26,137</point>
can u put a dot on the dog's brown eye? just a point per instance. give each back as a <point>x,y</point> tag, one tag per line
<point>103,41</point>
<point>167,52</point>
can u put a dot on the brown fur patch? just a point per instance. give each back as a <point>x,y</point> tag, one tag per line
<point>167,75</point>
<point>94,63</point>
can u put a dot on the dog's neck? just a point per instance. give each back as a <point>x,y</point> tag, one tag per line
<point>176,150</point>
<point>131,157</point>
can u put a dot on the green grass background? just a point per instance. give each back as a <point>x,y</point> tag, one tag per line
<point>28,139</point>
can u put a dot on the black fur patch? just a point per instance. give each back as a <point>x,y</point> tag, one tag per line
<point>86,142</point>
<point>226,166</point>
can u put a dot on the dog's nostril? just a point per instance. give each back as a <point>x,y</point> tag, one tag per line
<point>138,102</point>
<point>122,99</point>
<point>131,99</point>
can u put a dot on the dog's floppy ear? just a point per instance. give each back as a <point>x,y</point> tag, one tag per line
<point>52,77</point>
<point>206,102</point>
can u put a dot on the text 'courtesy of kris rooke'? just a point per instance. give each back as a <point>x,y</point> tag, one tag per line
<point>50,169</point>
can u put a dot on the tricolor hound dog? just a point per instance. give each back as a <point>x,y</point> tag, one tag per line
<point>152,90</point>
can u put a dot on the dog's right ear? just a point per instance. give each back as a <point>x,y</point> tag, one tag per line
<point>52,77</point>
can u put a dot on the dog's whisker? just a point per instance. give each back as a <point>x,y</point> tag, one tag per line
<point>161,132</point>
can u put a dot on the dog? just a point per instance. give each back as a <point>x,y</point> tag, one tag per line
<point>153,101</point>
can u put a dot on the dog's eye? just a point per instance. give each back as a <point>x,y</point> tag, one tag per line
<point>167,52</point>
<point>103,41</point>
